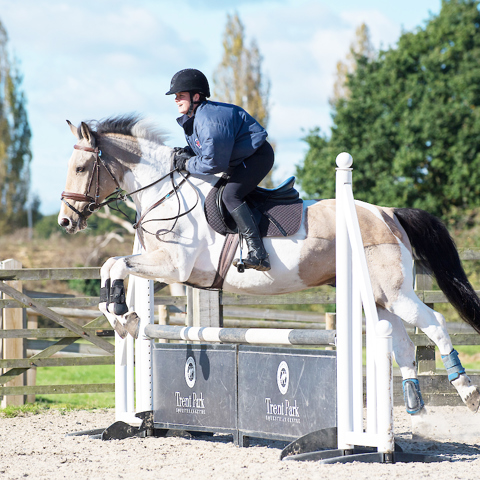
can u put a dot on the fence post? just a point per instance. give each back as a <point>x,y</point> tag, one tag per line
<point>424,355</point>
<point>330,324</point>
<point>31,374</point>
<point>13,347</point>
<point>206,308</point>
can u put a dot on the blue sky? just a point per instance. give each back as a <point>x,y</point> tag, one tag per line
<point>96,58</point>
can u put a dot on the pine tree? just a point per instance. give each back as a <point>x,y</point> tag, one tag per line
<point>15,136</point>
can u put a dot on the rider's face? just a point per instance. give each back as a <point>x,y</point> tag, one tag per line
<point>182,99</point>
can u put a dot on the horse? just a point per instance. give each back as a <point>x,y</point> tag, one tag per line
<point>128,154</point>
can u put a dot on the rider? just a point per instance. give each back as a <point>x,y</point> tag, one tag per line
<point>223,138</point>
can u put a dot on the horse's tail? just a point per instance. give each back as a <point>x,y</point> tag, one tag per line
<point>435,249</point>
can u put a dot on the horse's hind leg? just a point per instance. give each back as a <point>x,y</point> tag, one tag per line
<point>404,351</point>
<point>433,324</point>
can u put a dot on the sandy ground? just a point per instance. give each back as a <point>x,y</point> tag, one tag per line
<point>36,447</point>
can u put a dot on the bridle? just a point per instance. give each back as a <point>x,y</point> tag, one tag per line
<point>94,204</point>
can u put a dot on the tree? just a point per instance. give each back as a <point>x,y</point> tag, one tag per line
<point>412,120</point>
<point>239,79</point>
<point>360,47</point>
<point>15,135</point>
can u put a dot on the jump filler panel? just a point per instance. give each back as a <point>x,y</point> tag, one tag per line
<point>285,393</point>
<point>195,387</point>
<point>264,392</point>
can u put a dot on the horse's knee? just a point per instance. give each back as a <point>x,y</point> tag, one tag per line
<point>119,269</point>
<point>105,269</point>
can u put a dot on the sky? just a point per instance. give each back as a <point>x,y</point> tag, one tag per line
<point>94,59</point>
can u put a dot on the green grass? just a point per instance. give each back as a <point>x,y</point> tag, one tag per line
<point>74,375</point>
<point>469,356</point>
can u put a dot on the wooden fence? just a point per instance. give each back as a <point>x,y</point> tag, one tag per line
<point>17,334</point>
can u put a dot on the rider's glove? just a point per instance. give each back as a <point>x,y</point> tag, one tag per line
<point>181,156</point>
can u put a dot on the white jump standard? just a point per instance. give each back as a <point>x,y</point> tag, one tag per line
<point>353,289</point>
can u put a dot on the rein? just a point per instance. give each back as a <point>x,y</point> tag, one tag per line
<point>93,203</point>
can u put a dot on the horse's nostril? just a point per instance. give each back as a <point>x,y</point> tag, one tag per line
<point>64,222</point>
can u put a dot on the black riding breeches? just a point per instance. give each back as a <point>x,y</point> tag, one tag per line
<point>246,176</point>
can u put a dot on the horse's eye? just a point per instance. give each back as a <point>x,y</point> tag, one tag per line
<point>80,169</point>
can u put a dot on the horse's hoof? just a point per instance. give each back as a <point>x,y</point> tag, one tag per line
<point>472,400</point>
<point>120,329</point>
<point>132,324</point>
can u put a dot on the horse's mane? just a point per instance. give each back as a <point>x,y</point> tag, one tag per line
<point>131,124</point>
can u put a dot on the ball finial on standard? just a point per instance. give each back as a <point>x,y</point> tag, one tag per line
<point>344,160</point>
<point>384,328</point>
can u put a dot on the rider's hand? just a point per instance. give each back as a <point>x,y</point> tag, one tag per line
<point>181,156</point>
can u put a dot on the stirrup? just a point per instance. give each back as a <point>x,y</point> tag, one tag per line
<point>263,265</point>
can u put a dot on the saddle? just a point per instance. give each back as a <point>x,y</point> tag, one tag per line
<point>277,211</point>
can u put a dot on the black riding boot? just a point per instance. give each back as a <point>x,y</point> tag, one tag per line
<point>257,256</point>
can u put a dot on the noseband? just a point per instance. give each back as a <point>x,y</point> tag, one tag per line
<point>92,202</point>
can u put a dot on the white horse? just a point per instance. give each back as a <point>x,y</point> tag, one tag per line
<point>127,154</point>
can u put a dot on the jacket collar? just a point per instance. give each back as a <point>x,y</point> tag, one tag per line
<point>186,122</point>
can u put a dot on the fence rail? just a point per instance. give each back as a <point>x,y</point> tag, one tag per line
<point>234,313</point>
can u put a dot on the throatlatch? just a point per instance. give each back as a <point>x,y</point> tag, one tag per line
<point>412,396</point>
<point>453,365</point>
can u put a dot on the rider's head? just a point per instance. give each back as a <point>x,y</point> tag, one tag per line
<point>193,83</point>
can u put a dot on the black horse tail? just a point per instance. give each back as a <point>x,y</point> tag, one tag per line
<point>435,249</point>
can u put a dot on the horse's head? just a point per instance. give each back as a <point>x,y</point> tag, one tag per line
<point>89,181</point>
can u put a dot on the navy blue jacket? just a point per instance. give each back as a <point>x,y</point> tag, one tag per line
<point>221,136</point>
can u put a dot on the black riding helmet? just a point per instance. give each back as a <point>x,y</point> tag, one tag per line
<point>189,80</point>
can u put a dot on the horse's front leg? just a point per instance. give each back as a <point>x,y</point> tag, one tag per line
<point>105,298</point>
<point>154,265</point>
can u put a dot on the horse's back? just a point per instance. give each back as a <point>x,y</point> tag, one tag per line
<point>378,225</point>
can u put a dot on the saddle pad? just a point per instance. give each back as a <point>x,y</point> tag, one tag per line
<point>274,219</point>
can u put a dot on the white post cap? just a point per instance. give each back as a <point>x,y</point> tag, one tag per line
<point>344,160</point>
<point>384,328</point>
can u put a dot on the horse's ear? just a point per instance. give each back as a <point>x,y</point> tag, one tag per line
<point>86,133</point>
<point>74,129</point>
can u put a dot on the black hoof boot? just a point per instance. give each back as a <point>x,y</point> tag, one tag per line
<point>117,298</point>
